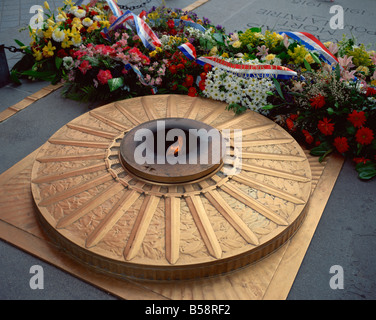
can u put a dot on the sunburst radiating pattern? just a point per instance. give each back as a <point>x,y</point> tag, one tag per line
<point>118,223</point>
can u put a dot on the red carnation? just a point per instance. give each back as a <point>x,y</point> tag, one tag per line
<point>189,80</point>
<point>290,124</point>
<point>326,127</point>
<point>202,85</point>
<point>317,101</point>
<point>173,69</point>
<point>364,136</point>
<point>308,137</point>
<point>103,76</point>
<point>370,91</point>
<point>341,144</point>
<point>192,92</point>
<point>84,66</point>
<point>171,24</point>
<point>207,67</point>
<point>357,118</point>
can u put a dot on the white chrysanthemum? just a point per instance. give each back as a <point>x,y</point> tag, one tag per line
<point>87,22</point>
<point>68,63</point>
<point>97,18</point>
<point>58,35</point>
<point>80,13</point>
<point>77,41</point>
<point>60,18</point>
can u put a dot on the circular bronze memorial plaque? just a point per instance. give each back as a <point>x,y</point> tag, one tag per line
<point>106,216</point>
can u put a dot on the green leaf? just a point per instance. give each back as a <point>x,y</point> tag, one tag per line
<point>321,149</point>
<point>238,109</point>
<point>330,111</point>
<point>314,57</point>
<point>14,77</point>
<point>338,72</point>
<point>256,29</point>
<point>268,107</point>
<point>322,158</point>
<point>115,83</point>
<point>42,75</point>
<point>351,130</point>
<point>218,37</point>
<point>366,171</point>
<point>58,62</point>
<point>278,88</point>
<point>307,65</point>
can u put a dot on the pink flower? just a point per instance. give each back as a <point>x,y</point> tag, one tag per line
<point>373,58</point>
<point>286,42</point>
<point>346,62</point>
<point>347,75</point>
<point>84,66</point>
<point>103,76</point>
<point>333,48</point>
<point>263,51</point>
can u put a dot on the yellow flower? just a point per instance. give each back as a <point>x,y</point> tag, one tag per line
<point>48,50</point>
<point>46,5</point>
<point>66,43</point>
<point>213,51</point>
<point>373,83</point>
<point>93,27</point>
<point>174,14</point>
<point>105,24</point>
<point>37,54</point>
<point>199,21</point>
<point>158,49</point>
<point>154,15</point>
<point>270,57</point>
<point>48,33</point>
<point>74,33</point>
<point>309,58</point>
<point>152,53</point>
<point>69,2</point>
<point>363,69</point>
<point>237,44</point>
<point>184,17</point>
<point>225,55</point>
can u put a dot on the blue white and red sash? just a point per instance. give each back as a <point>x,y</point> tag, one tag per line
<point>249,71</point>
<point>114,8</point>
<point>138,25</point>
<point>189,50</point>
<point>314,44</point>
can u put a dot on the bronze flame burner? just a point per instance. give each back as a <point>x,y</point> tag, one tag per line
<point>172,151</point>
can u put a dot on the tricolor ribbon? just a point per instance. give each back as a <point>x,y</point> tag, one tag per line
<point>114,8</point>
<point>249,71</point>
<point>314,44</point>
<point>139,26</point>
<point>189,50</point>
<point>241,70</point>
